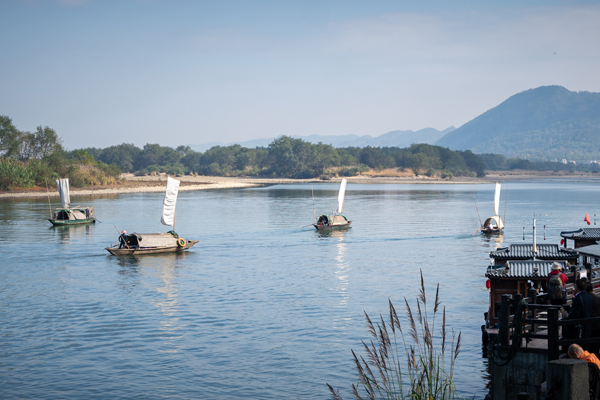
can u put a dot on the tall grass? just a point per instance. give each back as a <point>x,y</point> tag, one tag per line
<point>27,174</point>
<point>15,173</point>
<point>410,362</point>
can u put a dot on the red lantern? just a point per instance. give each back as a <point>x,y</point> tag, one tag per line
<point>488,284</point>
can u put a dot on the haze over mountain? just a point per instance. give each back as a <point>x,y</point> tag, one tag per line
<point>391,139</point>
<point>543,123</point>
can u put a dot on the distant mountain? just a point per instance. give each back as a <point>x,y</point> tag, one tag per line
<point>391,139</point>
<point>543,123</point>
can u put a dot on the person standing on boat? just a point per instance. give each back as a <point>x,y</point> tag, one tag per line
<point>556,282</point>
<point>122,239</point>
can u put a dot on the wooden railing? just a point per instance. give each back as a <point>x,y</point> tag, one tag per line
<point>539,316</point>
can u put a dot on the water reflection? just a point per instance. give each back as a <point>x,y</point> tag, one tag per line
<point>66,233</point>
<point>493,241</point>
<point>164,267</point>
<point>341,264</point>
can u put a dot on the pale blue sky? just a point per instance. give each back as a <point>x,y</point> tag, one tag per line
<point>104,72</point>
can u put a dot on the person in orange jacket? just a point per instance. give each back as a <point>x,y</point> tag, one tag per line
<point>576,352</point>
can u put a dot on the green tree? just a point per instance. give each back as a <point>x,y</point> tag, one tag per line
<point>9,136</point>
<point>46,142</point>
<point>375,157</point>
<point>417,162</point>
<point>289,156</point>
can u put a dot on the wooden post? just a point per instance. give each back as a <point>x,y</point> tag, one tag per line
<point>516,300</point>
<point>531,295</point>
<point>553,334</point>
<point>504,318</point>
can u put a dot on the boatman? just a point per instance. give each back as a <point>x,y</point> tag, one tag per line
<point>123,239</point>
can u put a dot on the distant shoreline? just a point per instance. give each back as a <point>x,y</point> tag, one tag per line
<point>152,184</point>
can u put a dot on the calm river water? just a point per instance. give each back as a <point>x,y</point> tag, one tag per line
<point>264,307</point>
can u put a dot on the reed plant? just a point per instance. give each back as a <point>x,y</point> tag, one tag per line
<point>409,362</point>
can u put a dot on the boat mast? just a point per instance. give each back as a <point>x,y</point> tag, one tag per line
<point>48,192</point>
<point>313,197</point>
<point>477,208</point>
<point>534,239</point>
<point>94,204</point>
<point>505,201</point>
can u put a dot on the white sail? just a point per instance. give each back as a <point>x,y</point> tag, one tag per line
<point>497,199</point>
<point>63,190</point>
<point>168,215</point>
<point>341,195</point>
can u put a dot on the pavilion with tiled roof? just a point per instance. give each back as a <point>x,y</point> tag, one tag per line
<point>545,252</point>
<point>581,237</point>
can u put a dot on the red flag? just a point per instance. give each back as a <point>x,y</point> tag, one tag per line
<point>562,241</point>
<point>587,219</point>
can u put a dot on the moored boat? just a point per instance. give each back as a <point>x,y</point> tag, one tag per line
<point>153,243</point>
<point>70,215</point>
<point>336,220</point>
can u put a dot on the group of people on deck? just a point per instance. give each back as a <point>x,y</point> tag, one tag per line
<point>585,303</point>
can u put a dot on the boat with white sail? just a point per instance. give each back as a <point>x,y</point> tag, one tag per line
<point>67,214</point>
<point>336,220</point>
<point>152,243</point>
<point>494,224</point>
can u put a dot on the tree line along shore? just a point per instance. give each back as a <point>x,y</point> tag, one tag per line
<point>30,159</point>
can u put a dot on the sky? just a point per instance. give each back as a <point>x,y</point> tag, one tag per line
<point>102,72</point>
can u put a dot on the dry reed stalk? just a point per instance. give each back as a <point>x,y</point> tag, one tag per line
<point>427,376</point>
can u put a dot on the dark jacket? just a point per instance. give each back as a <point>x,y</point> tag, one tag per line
<point>595,310</point>
<point>582,308</point>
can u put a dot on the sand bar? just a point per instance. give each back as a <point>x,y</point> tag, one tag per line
<point>150,184</point>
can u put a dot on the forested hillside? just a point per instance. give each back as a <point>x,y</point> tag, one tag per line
<point>289,157</point>
<point>538,124</point>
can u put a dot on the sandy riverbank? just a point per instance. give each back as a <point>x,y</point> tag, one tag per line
<point>149,184</point>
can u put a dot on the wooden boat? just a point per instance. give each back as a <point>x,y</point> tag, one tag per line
<point>153,243</point>
<point>494,224</point>
<point>336,220</point>
<point>70,215</point>
<point>150,243</point>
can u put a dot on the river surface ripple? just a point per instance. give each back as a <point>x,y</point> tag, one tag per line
<point>263,307</point>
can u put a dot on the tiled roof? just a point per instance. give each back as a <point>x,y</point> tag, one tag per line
<point>522,269</point>
<point>582,234</point>
<point>591,250</point>
<point>525,252</point>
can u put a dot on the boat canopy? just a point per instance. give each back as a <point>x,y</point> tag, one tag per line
<point>338,220</point>
<point>152,239</point>
<point>333,219</point>
<point>495,220</point>
<point>63,190</point>
<point>168,215</point>
<point>71,214</point>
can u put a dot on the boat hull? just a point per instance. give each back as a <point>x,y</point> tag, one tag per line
<point>328,227</point>
<point>69,222</point>
<point>115,251</point>
<point>491,231</point>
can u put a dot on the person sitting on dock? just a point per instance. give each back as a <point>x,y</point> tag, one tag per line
<point>581,307</point>
<point>576,352</point>
<point>556,282</point>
